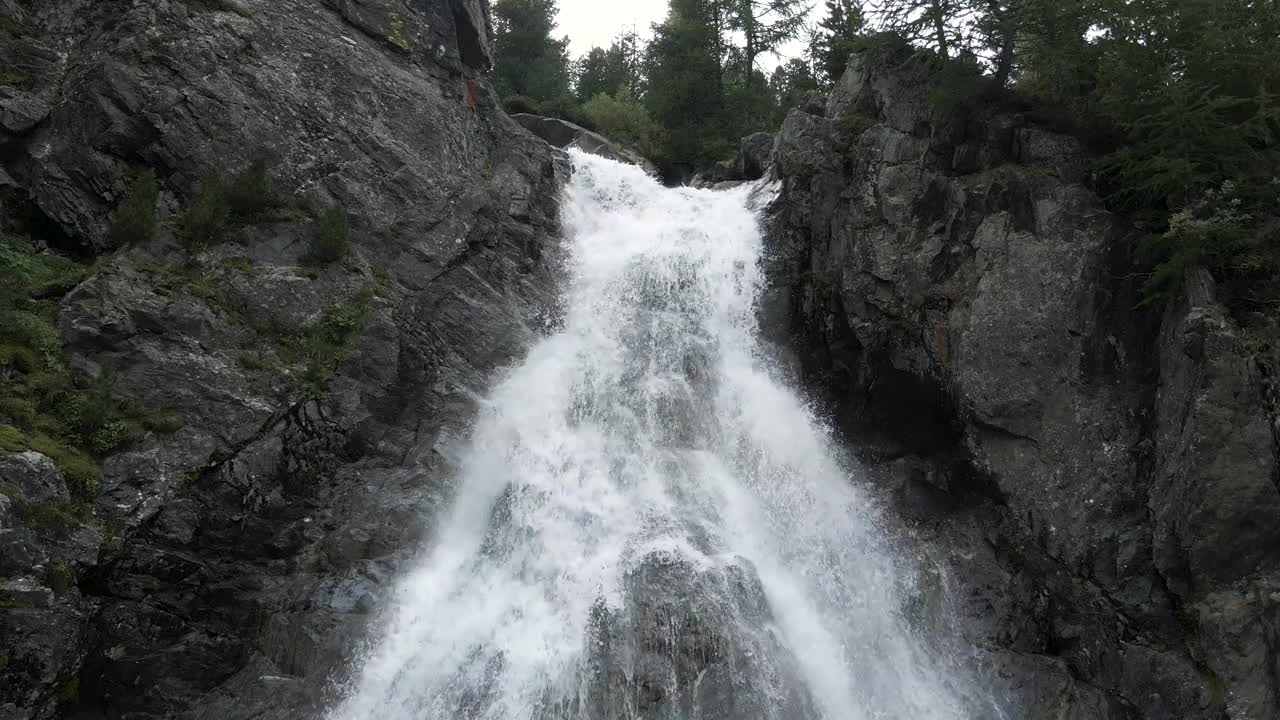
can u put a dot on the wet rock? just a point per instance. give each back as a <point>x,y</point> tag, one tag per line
<point>564,134</point>
<point>754,155</point>
<point>963,298</point>
<point>232,561</point>
<point>692,642</point>
<point>34,476</point>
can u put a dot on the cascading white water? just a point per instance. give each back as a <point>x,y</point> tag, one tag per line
<point>649,524</point>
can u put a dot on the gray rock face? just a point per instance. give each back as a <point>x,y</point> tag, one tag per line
<point>231,567</point>
<point>754,155</point>
<point>753,159</point>
<point>671,653</point>
<point>564,134</point>
<point>947,277</point>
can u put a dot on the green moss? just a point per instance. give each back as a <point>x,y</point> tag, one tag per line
<point>19,409</point>
<point>79,468</point>
<point>12,439</point>
<point>29,273</point>
<point>239,263</point>
<point>329,237</point>
<point>135,218</point>
<point>396,37</point>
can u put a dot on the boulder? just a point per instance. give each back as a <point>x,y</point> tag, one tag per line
<point>564,134</point>
<point>754,155</point>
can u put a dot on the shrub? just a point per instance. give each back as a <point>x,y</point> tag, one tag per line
<point>623,120</point>
<point>135,218</point>
<point>205,220</point>
<point>250,193</point>
<point>60,577</point>
<point>566,107</point>
<point>329,237</point>
<point>517,104</point>
<point>324,343</point>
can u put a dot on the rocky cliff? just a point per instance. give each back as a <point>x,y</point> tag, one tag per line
<point>1098,483</point>
<point>275,425</point>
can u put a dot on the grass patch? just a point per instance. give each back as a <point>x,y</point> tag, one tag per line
<point>41,407</point>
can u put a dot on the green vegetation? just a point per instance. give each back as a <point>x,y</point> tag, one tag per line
<point>329,237</point>
<point>250,194</point>
<point>625,120</point>
<point>60,577</point>
<point>311,357</point>
<point>218,204</point>
<point>321,346</point>
<point>207,217</point>
<point>1180,98</point>
<point>684,101</point>
<point>135,218</point>
<point>41,408</point>
<point>533,63</point>
<point>69,692</point>
<point>396,36</point>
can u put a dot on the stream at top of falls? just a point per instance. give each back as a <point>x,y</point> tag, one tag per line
<point>648,523</point>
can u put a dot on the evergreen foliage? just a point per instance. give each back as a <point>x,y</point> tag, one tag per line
<point>329,238</point>
<point>135,218</point>
<point>838,33</point>
<point>530,62</point>
<point>1181,98</point>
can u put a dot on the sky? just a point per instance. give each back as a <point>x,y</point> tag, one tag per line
<point>594,23</point>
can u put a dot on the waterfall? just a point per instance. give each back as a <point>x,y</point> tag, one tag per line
<point>649,524</point>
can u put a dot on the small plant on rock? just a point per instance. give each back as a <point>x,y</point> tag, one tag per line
<point>205,221</point>
<point>250,194</point>
<point>329,239</point>
<point>135,218</point>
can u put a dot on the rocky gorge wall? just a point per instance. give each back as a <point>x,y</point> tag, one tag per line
<point>226,565</point>
<point>1096,483</point>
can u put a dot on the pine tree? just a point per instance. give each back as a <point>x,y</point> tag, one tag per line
<point>530,62</point>
<point>686,85</point>
<point>764,25</point>
<point>790,83</point>
<point>593,75</point>
<point>837,38</point>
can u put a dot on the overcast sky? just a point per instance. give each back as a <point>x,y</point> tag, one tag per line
<point>593,23</point>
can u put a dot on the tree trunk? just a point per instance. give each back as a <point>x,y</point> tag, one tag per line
<point>940,27</point>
